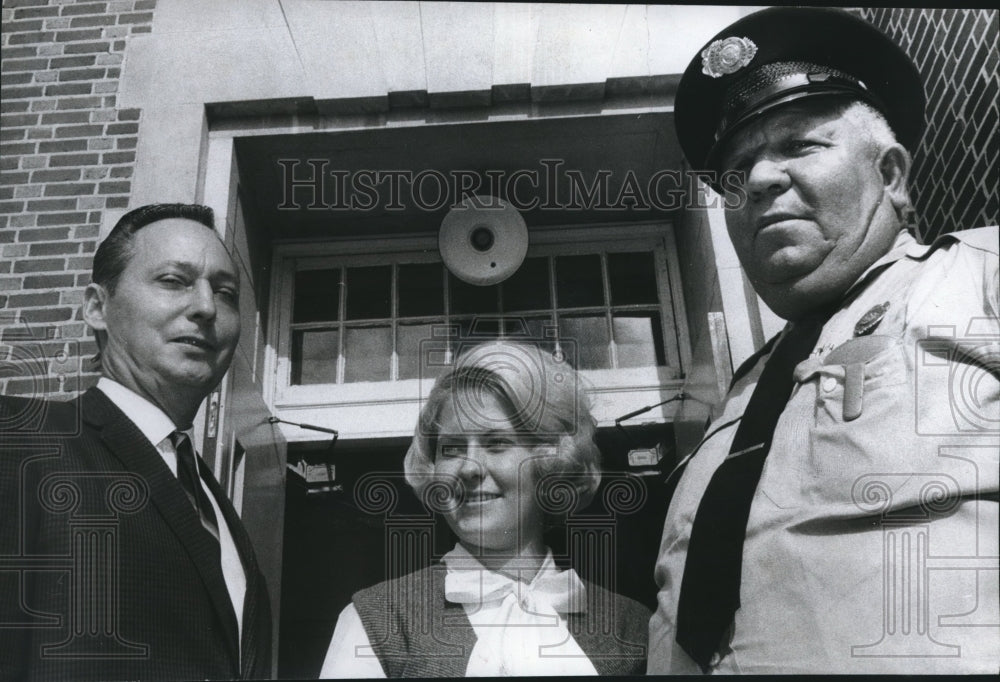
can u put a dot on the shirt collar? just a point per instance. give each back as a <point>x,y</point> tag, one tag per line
<point>905,246</point>
<point>459,559</point>
<point>154,424</point>
<point>551,590</point>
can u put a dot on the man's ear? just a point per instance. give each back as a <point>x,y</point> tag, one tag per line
<point>894,164</point>
<point>95,298</point>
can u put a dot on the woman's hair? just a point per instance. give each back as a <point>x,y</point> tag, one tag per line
<point>544,398</point>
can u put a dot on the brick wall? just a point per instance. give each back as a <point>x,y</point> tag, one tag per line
<point>954,179</point>
<point>68,154</point>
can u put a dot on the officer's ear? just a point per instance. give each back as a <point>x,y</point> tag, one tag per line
<point>95,299</point>
<point>894,165</point>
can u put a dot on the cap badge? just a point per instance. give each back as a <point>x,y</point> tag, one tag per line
<point>727,56</point>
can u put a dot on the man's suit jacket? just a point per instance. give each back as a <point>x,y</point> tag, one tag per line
<point>105,569</point>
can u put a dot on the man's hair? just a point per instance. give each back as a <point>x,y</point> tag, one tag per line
<point>545,400</point>
<point>871,120</point>
<point>115,251</point>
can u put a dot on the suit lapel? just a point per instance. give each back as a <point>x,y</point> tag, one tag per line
<point>126,442</point>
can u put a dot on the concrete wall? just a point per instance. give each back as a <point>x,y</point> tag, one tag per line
<point>104,108</point>
<point>360,57</point>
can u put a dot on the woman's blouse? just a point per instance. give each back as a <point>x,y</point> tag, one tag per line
<point>520,626</point>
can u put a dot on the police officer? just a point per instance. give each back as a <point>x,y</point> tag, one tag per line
<point>841,513</point>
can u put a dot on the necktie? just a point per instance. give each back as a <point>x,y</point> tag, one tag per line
<point>710,588</point>
<point>187,474</point>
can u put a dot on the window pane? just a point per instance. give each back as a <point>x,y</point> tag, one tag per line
<point>632,277</point>
<point>420,354</point>
<point>368,291</point>
<point>476,330</point>
<point>586,338</point>
<point>578,281</point>
<point>367,353</point>
<point>639,340</point>
<point>317,295</point>
<point>528,288</point>
<point>421,290</point>
<point>314,357</point>
<point>470,298</point>
<point>534,331</point>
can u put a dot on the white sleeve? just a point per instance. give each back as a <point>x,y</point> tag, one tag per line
<point>350,653</point>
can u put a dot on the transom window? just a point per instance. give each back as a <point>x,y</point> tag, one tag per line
<point>395,318</point>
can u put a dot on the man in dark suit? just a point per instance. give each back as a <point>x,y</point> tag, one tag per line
<point>120,556</point>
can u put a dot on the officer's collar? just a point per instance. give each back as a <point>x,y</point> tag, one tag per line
<point>905,246</point>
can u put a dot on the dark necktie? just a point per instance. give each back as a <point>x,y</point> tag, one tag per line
<point>187,474</point>
<point>710,588</point>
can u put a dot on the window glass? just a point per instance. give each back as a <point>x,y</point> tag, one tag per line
<point>314,356</point>
<point>367,353</point>
<point>391,310</point>
<point>368,292</point>
<point>317,295</point>
<point>471,298</point>
<point>528,288</point>
<point>579,282</point>
<point>421,290</point>
<point>584,340</point>
<point>476,330</point>
<point>632,277</point>
<point>535,331</point>
<point>638,339</point>
<point>417,349</point>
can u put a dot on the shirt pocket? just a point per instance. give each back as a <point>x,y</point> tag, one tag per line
<point>863,416</point>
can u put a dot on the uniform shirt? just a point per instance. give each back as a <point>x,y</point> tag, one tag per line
<point>157,427</point>
<point>871,544</point>
<point>510,640</point>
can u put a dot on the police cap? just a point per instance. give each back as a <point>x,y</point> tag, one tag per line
<point>785,54</point>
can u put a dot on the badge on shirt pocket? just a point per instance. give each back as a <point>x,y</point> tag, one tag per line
<point>867,362</point>
<point>854,413</point>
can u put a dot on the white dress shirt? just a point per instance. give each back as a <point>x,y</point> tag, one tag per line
<point>518,633</point>
<point>157,427</point>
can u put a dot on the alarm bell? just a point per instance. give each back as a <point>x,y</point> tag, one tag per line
<point>483,240</point>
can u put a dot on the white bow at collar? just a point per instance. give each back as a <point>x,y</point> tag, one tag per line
<point>552,590</point>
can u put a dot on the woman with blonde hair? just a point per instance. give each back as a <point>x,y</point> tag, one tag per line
<point>503,438</point>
